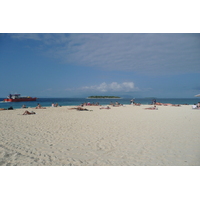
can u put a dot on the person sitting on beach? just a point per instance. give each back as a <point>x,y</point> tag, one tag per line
<point>105,107</point>
<point>28,113</point>
<point>2,109</point>
<point>111,103</point>
<point>40,107</point>
<point>24,106</point>
<point>194,106</point>
<point>152,108</point>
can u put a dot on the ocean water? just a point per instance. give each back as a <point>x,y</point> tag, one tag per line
<point>46,102</point>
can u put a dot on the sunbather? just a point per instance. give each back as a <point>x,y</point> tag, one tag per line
<point>152,108</point>
<point>105,107</point>
<point>79,108</point>
<point>29,113</point>
<point>177,105</point>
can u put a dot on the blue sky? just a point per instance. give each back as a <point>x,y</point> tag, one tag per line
<point>80,65</point>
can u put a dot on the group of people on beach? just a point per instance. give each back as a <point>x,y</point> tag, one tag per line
<point>116,104</point>
<point>166,104</point>
<point>155,103</point>
<point>90,104</point>
<point>97,104</point>
<point>32,112</point>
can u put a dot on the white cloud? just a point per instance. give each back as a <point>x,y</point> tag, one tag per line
<point>112,87</point>
<point>144,53</point>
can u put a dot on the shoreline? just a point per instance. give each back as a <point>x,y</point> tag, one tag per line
<point>78,101</point>
<point>104,98</point>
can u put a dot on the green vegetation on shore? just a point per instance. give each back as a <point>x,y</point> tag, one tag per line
<point>103,97</point>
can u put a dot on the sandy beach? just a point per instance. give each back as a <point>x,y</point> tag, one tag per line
<point>121,136</point>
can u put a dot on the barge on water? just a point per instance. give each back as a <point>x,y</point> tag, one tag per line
<point>18,98</point>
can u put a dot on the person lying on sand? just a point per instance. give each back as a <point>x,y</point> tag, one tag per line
<point>195,107</point>
<point>79,108</point>
<point>158,104</point>
<point>152,108</point>
<point>29,113</point>
<point>105,107</point>
<point>10,108</point>
<point>137,104</point>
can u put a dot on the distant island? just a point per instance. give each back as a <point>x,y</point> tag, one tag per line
<point>104,97</point>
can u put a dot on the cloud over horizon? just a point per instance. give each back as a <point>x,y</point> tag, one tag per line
<point>112,87</point>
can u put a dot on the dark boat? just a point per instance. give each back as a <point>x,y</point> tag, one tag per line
<point>18,98</point>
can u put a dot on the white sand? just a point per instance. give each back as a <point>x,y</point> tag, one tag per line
<point>121,136</point>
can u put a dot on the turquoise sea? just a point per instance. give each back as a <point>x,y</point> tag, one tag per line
<point>46,102</point>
